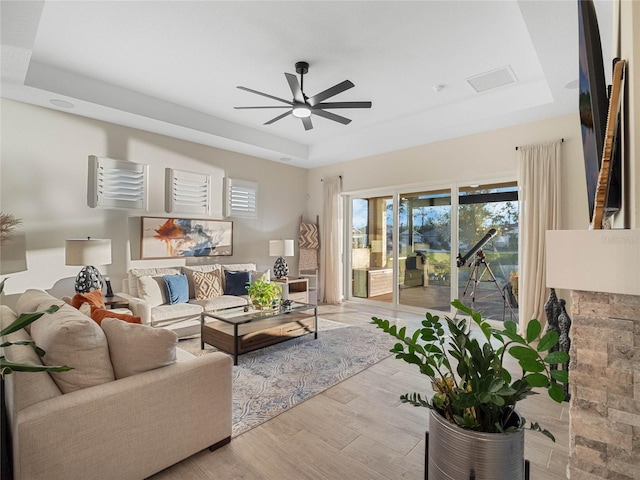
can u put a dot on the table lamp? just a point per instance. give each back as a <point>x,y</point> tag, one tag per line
<point>88,252</point>
<point>281,249</point>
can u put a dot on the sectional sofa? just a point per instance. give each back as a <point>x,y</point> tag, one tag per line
<point>133,404</point>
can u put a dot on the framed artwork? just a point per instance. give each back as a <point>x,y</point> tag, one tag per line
<point>164,237</point>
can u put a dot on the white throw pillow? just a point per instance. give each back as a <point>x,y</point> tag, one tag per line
<point>70,338</point>
<point>151,290</point>
<point>264,275</point>
<point>138,348</point>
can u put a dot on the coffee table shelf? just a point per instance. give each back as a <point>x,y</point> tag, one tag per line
<point>235,331</point>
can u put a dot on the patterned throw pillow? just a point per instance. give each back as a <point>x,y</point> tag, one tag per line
<point>208,284</point>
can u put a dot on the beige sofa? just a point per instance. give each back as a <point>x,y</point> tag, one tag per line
<point>182,318</point>
<point>115,418</point>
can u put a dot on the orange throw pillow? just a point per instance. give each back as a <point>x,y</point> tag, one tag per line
<point>93,298</point>
<point>99,313</point>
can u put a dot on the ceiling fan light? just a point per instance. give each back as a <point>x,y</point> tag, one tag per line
<point>301,111</point>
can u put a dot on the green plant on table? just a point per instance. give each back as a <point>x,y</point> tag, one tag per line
<point>6,367</point>
<point>263,293</point>
<point>473,389</point>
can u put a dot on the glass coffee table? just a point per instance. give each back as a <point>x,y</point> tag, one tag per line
<point>239,330</point>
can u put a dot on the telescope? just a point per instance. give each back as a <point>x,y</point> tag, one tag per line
<point>463,260</point>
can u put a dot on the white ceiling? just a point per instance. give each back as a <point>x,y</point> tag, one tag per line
<point>172,67</point>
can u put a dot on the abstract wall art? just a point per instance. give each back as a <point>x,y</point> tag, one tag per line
<point>164,237</point>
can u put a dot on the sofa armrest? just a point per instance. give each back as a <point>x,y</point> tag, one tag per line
<point>128,428</point>
<point>138,306</point>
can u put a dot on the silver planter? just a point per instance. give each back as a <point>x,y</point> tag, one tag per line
<point>458,454</point>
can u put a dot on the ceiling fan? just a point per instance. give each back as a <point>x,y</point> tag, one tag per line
<point>302,106</point>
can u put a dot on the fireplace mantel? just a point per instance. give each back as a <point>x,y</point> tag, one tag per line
<point>594,260</point>
<point>602,269</point>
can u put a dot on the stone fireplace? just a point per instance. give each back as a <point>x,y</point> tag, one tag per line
<point>602,271</point>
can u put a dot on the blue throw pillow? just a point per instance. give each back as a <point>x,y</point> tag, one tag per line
<point>177,288</point>
<point>235,283</point>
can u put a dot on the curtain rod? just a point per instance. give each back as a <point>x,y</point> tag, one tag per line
<point>339,176</point>
<point>562,140</point>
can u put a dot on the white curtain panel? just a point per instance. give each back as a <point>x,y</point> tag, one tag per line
<point>330,289</point>
<point>539,182</point>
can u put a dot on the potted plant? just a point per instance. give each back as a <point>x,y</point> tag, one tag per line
<point>263,294</point>
<point>475,396</point>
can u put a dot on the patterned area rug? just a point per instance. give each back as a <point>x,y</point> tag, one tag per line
<point>269,381</point>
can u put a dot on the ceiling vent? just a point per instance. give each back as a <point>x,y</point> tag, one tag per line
<point>493,79</point>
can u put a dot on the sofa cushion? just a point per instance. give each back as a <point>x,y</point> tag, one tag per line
<point>99,314</point>
<point>264,275</point>
<point>134,273</point>
<point>235,282</point>
<point>28,388</point>
<point>176,288</point>
<point>151,289</point>
<point>138,348</point>
<point>70,338</point>
<point>189,271</point>
<point>224,301</point>
<point>34,300</point>
<point>207,284</point>
<point>174,312</point>
<point>93,298</point>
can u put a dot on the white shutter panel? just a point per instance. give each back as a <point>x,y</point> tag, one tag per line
<point>242,198</point>
<point>117,184</point>
<point>187,192</point>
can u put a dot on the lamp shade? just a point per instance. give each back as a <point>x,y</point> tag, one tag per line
<point>281,248</point>
<point>13,254</point>
<point>88,251</point>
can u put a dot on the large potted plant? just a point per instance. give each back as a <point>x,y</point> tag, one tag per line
<point>263,294</point>
<point>473,409</point>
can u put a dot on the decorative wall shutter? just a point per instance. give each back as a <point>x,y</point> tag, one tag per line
<point>117,184</point>
<point>187,192</point>
<point>242,198</point>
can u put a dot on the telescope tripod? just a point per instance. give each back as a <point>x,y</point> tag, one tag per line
<point>475,279</point>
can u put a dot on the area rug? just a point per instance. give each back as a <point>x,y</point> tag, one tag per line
<point>271,380</point>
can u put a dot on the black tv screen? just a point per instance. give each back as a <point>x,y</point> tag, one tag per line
<point>593,100</point>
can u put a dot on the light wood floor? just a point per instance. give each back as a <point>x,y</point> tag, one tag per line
<point>358,429</point>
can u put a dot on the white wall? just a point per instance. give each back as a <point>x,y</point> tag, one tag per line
<point>44,182</point>
<point>469,159</point>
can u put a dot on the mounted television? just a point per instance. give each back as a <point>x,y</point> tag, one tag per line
<point>593,107</point>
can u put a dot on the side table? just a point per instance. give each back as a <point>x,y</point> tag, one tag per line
<point>115,302</point>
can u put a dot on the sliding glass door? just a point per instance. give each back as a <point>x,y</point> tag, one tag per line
<point>406,246</point>
<point>372,248</point>
<point>424,249</point>
<point>488,279</point>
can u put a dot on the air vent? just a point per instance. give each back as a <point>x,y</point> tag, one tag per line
<point>493,79</point>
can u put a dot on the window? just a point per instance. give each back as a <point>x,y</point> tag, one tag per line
<point>117,184</point>
<point>242,198</point>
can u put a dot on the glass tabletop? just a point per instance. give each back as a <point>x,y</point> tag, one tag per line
<point>239,315</point>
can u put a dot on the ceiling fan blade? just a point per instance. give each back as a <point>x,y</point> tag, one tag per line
<point>331,116</point>
<point>265,95</point>
<point>274,106</point>
<point>330,92</point>
<point>343,105</point>
<point>295,87</point>
<point>306,121</point>
<point>278,118</point>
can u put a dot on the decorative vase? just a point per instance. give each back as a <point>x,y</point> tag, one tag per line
<point>455,453</point>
